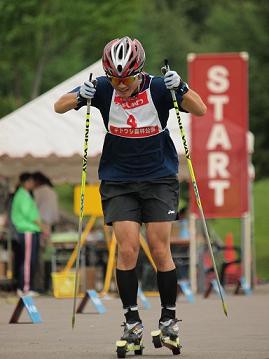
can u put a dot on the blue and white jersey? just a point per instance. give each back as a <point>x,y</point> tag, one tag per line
<point>137,144</point>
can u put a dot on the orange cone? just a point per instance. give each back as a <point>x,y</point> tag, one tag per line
<point>230,255</point>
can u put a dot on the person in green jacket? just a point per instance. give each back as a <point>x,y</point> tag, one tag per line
<point>26,219</point>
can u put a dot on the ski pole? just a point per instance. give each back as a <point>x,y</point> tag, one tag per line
<point>195,187</point>
<point>82,194</point>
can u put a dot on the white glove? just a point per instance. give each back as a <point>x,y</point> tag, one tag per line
<point>87,90</point>
<point>172,80</point>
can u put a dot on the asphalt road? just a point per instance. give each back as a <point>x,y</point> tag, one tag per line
<point>206,333</point>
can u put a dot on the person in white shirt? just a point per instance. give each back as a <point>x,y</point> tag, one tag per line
<point>47,202</point>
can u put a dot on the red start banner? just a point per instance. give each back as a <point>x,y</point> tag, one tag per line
<point>219,139</point>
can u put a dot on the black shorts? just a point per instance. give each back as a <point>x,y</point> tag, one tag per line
<point>142,202</point>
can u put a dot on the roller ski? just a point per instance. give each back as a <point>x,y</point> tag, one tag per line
<point>167,336</point>
<point>131,340</point>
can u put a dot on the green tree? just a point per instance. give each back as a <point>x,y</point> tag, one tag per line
<point>43,43</point>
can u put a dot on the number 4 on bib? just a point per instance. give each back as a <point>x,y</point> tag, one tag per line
<point>132,121</point>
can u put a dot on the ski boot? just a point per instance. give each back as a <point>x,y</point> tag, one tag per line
<point>131,339</point>
<point>167,336</point>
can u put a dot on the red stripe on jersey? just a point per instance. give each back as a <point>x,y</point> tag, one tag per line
<point>134,132</point>
<point>132,102</point>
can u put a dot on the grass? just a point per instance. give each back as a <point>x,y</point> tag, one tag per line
<point>221,226</point>
<point>261,227</point>
<point>226,225</point>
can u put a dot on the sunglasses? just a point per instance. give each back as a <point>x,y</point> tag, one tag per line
<point>115,81</point>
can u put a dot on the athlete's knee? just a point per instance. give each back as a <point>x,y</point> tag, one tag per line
<point>128,252</point>
<point>160,252</point>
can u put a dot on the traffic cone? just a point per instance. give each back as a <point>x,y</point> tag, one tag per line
<point>230,255</point>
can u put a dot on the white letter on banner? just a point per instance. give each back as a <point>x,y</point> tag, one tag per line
<point>219,186</point>
<point>217,165</point>
<point>218,101</point>
<point>218,136</point>
<point>218,81</point>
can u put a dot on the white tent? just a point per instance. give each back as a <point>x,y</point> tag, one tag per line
<point>34,137</point>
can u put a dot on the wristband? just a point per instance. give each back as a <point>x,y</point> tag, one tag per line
<point>183,88</point>
<point>80,101</point>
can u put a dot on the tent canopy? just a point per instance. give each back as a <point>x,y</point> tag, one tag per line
<point>34,137</point>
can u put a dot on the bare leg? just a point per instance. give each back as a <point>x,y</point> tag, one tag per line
<point>127,235</point>
<point>158,236</point>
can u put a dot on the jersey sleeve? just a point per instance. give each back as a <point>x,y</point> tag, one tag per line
<point>162,96</point>
<point>162,99</point>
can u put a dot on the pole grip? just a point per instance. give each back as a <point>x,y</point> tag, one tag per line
<point>89,101</point>
<point>166,65</point>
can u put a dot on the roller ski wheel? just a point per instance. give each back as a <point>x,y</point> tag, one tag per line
<point>123,347</point>
<point>131,340</point>
<point>139,351</point>
<point>156,338</point>
<point>167,336</point>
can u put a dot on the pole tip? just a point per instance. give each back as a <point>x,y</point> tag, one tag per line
<point>225,310</point>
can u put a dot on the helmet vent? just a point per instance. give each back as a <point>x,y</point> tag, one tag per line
<point>120,53</point>
<point>132,65</point>
<point>119,68</point>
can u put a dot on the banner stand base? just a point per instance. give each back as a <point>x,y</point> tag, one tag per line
<point>185,288</point>
<point>27,303</point>
<point>243,285</point>
<point>144,300</point>
<point>96,301</point>
<point>213,286</point>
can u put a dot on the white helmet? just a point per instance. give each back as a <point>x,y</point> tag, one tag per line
<point>123,57</point>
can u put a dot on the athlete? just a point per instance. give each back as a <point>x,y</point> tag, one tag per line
<point>138,168</point>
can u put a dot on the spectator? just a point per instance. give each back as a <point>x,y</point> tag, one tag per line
<point>46,200</point>
<point>26,219</point>
<point>47,203</point>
